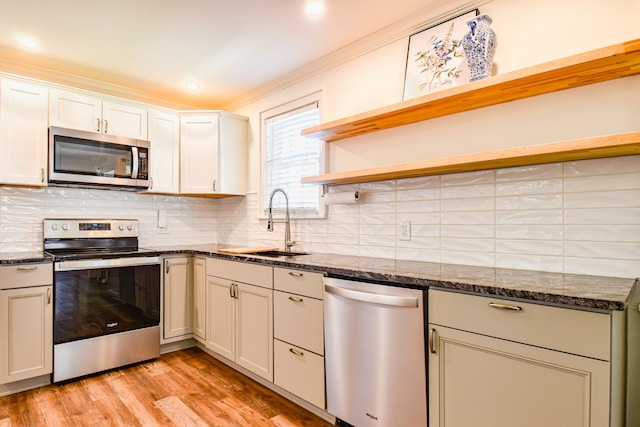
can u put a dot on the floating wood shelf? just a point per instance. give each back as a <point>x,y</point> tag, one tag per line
<point>580,149</point>
<point>613,62</point>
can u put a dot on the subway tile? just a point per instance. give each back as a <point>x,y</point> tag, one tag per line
<point>516,188</point>
<point>486,259</point>
<point>423,182</point>
<point>603,233</point>
<point>476,231</point>
<point>468,191</point>
<point>530,217</point>
<point>604,215</point>
<point>529,231</point>
<point>531,172</point>
<point>532,247</point>
<point>599,199</point>
<point>527,202</point>
<point>611,165</point>
<point>594,183</point>
<point>603,250</point>
<point>468,178</point>
<point>471,204</point>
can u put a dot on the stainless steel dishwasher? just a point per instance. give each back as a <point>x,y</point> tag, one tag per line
<point>375,354</point>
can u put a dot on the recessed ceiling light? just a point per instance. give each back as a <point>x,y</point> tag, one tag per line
<point>314,7</point>
<point>192,85</point>
<point>28,42</point>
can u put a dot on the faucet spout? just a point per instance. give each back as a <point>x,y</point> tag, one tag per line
<point>287,221</point>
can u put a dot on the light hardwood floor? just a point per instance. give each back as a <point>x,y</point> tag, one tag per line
<point>183,388</point>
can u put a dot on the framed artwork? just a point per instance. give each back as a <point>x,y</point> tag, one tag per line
<point>435,59</point>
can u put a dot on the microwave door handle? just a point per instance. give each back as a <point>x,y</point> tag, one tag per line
<point>134,169</point>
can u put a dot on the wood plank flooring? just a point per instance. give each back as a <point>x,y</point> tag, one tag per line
<point>182,388</point>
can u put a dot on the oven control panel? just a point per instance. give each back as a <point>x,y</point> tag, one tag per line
<point>64,228</point>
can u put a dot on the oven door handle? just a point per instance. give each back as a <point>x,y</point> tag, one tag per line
<point>90,264</point>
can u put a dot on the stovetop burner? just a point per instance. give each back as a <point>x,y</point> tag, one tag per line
<point>70,239</point>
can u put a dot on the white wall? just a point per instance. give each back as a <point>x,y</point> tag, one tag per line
<point>549,218</point>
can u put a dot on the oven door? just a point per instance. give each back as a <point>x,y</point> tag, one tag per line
<point>98,297</point>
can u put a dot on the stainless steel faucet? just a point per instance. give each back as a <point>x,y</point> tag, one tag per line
<point>287,221</point>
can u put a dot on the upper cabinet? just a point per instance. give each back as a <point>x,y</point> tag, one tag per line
<point>164,135</point>
<point>78,111</point>
<point>213,154</point>
<point>23,133</point>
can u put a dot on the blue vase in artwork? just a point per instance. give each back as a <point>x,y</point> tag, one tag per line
<point>479,46</point>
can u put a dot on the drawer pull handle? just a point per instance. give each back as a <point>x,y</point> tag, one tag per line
<point>505,306</point>
<point>432,341</point>
<point>31,268</point>
<point>296,352</point>
<point>295,274</point>
<point>296,299</point>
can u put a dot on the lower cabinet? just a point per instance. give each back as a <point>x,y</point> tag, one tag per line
<point>240,314</point>
<point>177,298</point>
<point>504,363</point>
<point>299,334</point>
<point>199,277</point>
<point>26,322</point>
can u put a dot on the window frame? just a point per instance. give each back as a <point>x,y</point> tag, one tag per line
<point>298,103</point>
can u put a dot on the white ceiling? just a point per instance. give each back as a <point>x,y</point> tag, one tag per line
<point>231,47</point>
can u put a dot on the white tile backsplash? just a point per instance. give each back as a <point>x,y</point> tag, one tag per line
<point>577,217</point>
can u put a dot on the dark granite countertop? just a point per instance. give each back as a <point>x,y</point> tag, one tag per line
<point>578,291</point>
<point>24,257</point>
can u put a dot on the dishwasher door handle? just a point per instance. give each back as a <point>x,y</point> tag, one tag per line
<point>397,301</point>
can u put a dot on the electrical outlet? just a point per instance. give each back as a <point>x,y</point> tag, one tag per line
<point>404,230</point>
<point>163,230</point>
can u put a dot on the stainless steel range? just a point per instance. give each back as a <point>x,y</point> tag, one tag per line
<point>106,296</point>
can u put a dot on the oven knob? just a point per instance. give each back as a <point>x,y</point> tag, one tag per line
<point>65,226</point>
<point>129,227</point>
<point>54,227</point>
<point>121,227</point>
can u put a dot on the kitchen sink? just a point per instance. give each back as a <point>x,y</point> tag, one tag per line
<point>280,253</point>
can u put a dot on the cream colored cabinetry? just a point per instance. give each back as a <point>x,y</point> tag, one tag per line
<point>213,153</point>
<point>177,299</point>
<point>240,314</point>
<point>504,363</point>
<point>26,321</point>
<point>199,277</point>
<point>76,110</point>
<point>164,134</point>
<point>298,334</point>
<point>23,133</point>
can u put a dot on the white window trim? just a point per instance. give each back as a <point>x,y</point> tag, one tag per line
<point>316,96</point>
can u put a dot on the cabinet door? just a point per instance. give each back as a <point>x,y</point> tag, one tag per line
<point>165,156</point>
<point>199,298</point>
<point>254,329</point>
<point>475,380</point>
<point>232,155</point>
<point>199,154</point>
<point>23,133</point>
<point>221,314</point>
<point>26,331</point>
<point>177,298</point>
<point>75,111</point>
<point>124,120</point>
<point>299,371</point>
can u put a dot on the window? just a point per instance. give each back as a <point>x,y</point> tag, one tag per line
<point>288,156</point>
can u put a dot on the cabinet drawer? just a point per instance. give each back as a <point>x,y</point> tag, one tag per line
<point>299,372</point>
<point>253,274</point>
<point>298,282</point>
<point>573,331</point>
<point>299,320</point>
<point>26,275</point>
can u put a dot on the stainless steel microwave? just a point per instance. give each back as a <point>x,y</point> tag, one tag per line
<point>90,159</point>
